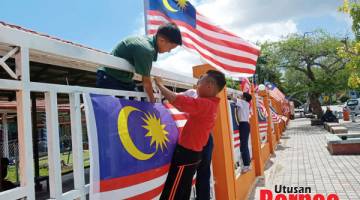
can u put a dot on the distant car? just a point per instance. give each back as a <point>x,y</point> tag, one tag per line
<point>354,106</point>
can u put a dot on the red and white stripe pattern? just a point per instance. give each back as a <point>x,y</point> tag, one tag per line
<point>263,126</point>
<point>245,85</point>
<point>275,117</point>
<point>219,48</point>
<point>275,92</point>
<point>236,138</point>
<point>262,107</point>
<point>180,118</point>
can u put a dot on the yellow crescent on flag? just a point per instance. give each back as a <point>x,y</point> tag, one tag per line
<point>125,135</point>
<point>167,6</point>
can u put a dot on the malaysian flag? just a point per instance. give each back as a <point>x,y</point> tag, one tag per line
<point>132,144</point>
<point>275,117</point>
<point>275,92</point>
<point>262,118</point>
<point>219,48</point>
<point>245,85</point>
<point>235,125</point>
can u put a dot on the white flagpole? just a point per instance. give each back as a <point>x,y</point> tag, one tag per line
<point>146,6</point>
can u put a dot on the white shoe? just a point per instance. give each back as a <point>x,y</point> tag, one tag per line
<point>245,169</point>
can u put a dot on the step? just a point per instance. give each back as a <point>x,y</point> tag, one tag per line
<point>338,129</point>
<point>328,125</point>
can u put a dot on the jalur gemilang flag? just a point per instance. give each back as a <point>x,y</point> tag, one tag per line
<point>131,145</point>
<point>221,49</point>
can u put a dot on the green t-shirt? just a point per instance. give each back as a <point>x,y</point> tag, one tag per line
<point>139,51</point>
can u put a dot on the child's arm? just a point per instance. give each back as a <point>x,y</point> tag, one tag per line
<point>168,94</point>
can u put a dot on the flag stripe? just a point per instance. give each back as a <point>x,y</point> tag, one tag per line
<point>134,190</point>
<point>122,182</point>
<point>216,49</point>
<point>223,50</point>
<point>232,48</point>
<point>206,33</point>
<point>224,62</point>
<point>149,194</point>
<point>179,116</point>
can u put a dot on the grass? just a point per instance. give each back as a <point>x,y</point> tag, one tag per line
<point>43,165</point>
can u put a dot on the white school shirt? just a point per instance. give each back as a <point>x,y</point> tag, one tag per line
<point>190,93</point>
<point>243,112</point>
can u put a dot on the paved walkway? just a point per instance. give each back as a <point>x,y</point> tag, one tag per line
<point>303,160</point>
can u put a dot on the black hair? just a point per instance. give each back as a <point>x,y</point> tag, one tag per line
<point>170,32</point>
<point>247,96</point>
<point>218,77</point>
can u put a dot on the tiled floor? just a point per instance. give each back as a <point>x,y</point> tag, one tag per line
<point>303,160</point>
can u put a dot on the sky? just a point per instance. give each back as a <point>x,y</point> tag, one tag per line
<point>102,24</point>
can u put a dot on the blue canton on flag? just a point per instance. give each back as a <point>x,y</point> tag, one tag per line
<point>173,10</point>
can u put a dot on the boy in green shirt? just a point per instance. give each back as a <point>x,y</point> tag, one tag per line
<point>139,51</point>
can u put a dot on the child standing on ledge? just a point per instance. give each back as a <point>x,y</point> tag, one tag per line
<point>202,115</point>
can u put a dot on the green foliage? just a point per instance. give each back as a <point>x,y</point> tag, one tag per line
<point>43,162</point>
<point>266,67</point>
<point>230,83</point>
<point>310,64</point>
<point>353,9</point>
<point>350,50</point>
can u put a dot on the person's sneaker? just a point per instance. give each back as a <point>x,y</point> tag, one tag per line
<point>245,169</point>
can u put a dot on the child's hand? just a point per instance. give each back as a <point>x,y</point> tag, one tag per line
<point>158,80</point>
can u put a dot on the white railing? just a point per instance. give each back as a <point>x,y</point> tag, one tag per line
<point>26,47</point>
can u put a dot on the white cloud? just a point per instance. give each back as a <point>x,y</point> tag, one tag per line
<point>179,60</point>
<point>267,31</point>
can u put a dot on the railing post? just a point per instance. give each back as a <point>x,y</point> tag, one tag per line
<point>52,127</point>
<point>255,136</point>
<point>222,162</point>
<point>77,144</point>
<point>265,96</point>
<point>24,123</point>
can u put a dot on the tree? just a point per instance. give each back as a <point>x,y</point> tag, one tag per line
<point>231,83</point>
<point>266,68</point>
<point>314,54</point>
<point>351,49</point>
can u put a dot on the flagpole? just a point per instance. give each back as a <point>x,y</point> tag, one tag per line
<point>146,6</point>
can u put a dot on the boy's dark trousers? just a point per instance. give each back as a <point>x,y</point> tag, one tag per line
<point>182,169</point>
<point>104,80</point>
<point>203,172</point>
<point>244,131</point>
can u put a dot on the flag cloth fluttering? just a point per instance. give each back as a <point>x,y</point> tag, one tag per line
<point>221,49</point>
<point>275,92</point>
<point>262,118</point>
<point>245,85</point>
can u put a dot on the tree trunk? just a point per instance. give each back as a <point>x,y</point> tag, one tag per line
<point>315,105</point>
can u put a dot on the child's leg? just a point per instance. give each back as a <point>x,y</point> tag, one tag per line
<point>182,169</point>
<point>244,130</point>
